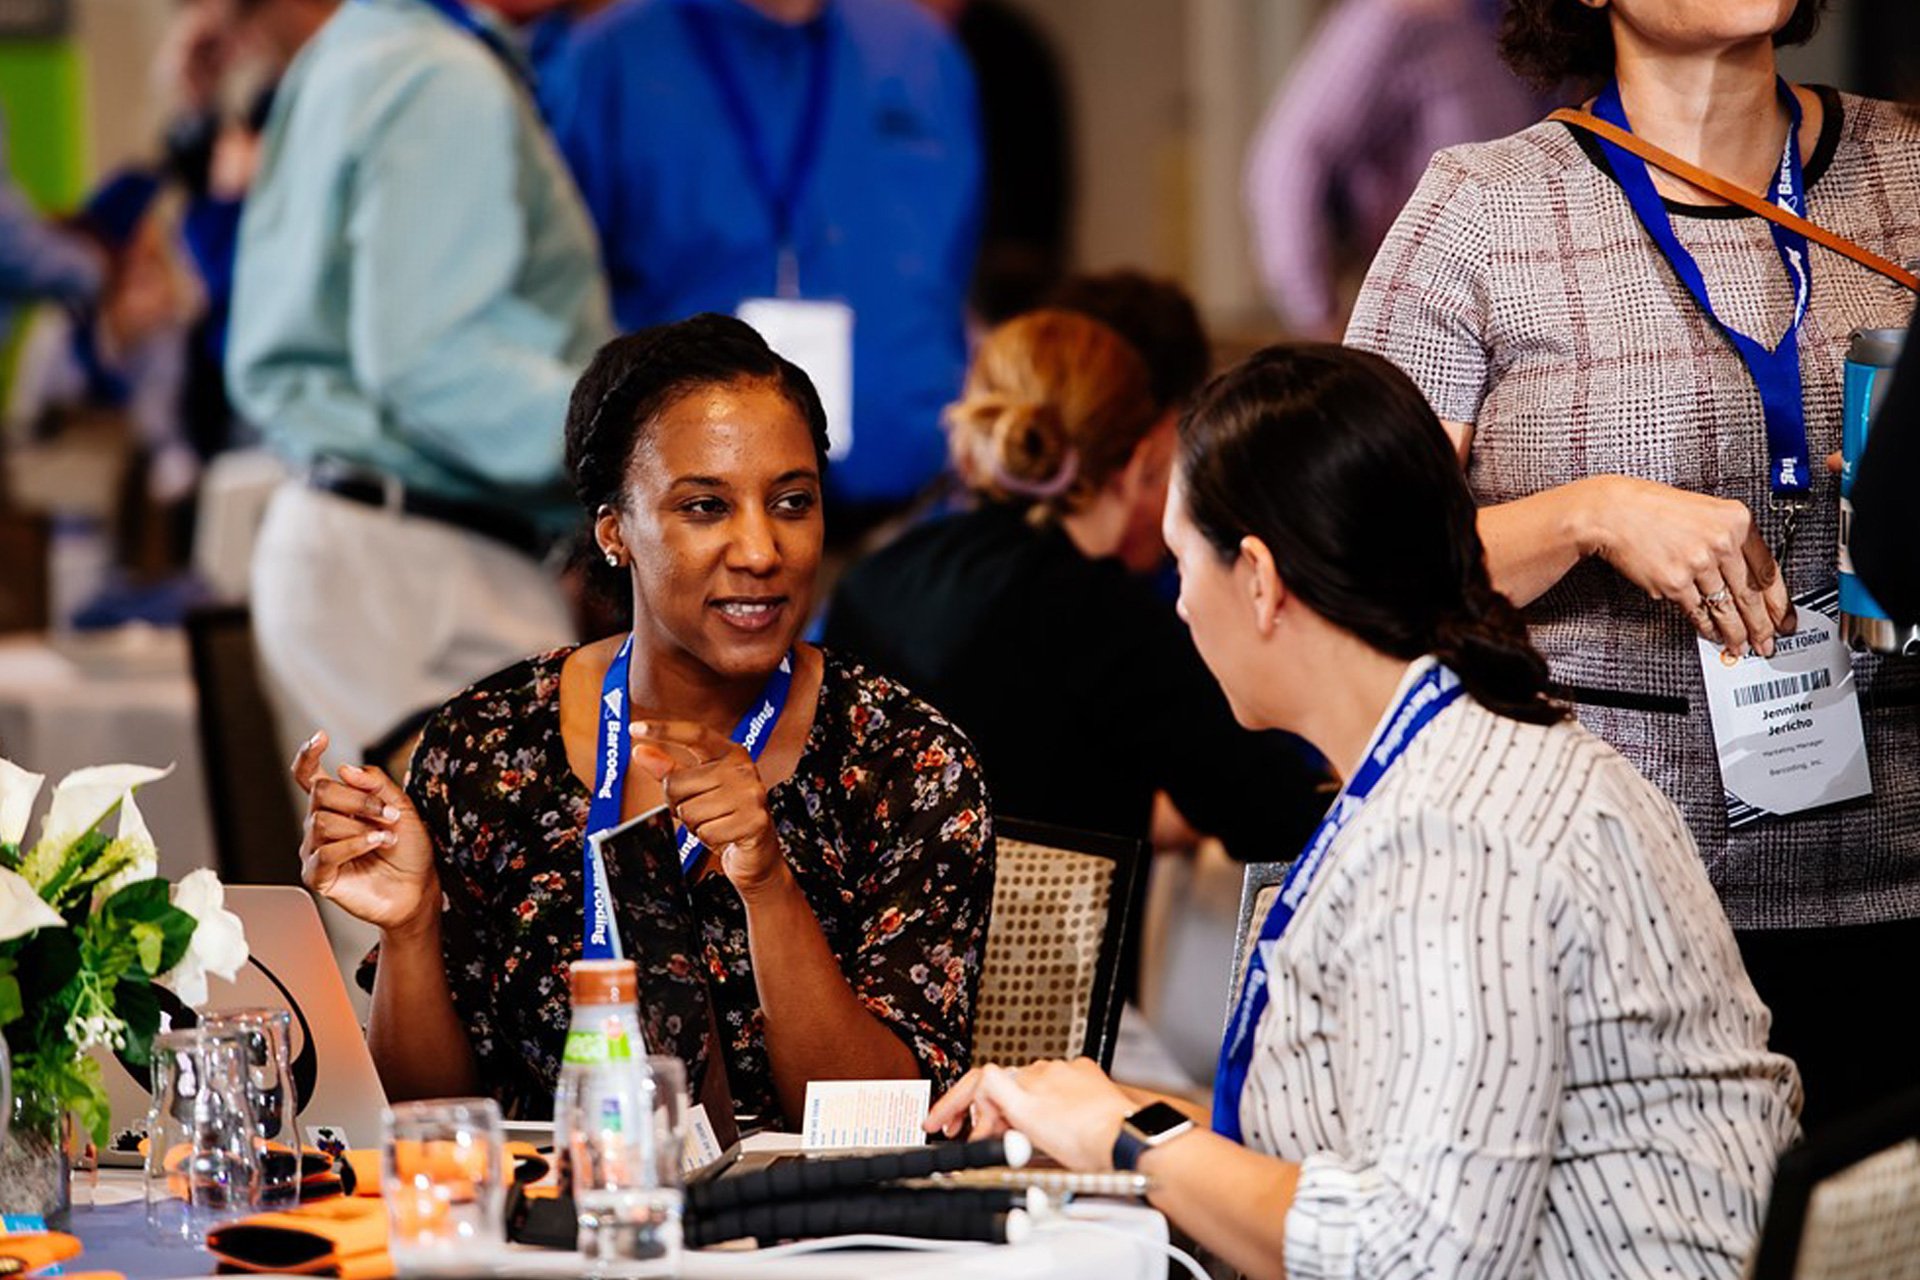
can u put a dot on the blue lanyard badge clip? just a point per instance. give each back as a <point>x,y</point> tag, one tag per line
<point>780,191</point>
<point>1432,693</point>
<point>600,934</point>
<point>1775,372</point>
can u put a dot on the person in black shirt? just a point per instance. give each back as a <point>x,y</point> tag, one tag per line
<point>1027,620</point>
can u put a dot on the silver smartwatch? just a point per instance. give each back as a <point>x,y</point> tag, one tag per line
<point>1146,1129</point>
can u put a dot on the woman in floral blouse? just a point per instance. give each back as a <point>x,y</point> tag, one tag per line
<point>842,911</point>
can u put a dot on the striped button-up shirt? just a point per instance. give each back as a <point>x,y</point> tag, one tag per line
<point>1510,1033</point>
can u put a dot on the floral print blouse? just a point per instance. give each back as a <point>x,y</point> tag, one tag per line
<point>885,822</point>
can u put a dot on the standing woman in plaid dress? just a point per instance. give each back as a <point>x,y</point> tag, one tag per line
<point>1630,478</point>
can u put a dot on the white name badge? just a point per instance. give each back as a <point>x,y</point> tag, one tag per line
<point>1787,728</point>
<point>817,336</point>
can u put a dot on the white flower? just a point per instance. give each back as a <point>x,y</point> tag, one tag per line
<point>219,943</point>
<point>21,909</point>
<point>18,790</point>
<point>84,796</point>
<point>135,843</point>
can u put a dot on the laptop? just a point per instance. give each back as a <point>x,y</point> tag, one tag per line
<point>292,967</point>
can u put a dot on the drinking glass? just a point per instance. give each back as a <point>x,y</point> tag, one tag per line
<point>626,1150</point>
<point>268,1037</point>
<point>444,1174</point>
<point>202,1167</point>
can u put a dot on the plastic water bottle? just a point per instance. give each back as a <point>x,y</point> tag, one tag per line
<point>606,1137</point>
<point>604,1044</point>
<point>1871,357</point>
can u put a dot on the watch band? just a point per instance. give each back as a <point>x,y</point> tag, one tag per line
<point>1144,1130</point>
<point>1128,1147</point>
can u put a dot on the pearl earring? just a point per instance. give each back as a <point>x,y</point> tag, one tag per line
<point>613,558</point>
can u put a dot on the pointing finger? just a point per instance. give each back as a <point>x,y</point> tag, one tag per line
<point>306,761</point>
<point>682,738</point>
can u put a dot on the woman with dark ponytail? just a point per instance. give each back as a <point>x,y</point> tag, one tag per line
<point>1495,1023</point>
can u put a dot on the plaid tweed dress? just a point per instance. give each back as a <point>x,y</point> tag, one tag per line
<point>1522,296</point>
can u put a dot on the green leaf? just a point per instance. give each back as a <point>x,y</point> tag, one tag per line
<point>108,950</point>
<point>58,1081</point>
<point>82,1088</point>
<point>48,964</point>
<point>148,939</point>
<point>141,900</point>
<point>62,867</point>
<point>131,917</point>
<point>9,856</point>
<point>11,1006</point>
<point>139,1008</point>
<point>178,927</point>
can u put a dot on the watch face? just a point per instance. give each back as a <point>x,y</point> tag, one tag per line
<point>1159,1118</point>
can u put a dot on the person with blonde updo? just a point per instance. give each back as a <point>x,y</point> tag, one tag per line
<point>1080,689</point>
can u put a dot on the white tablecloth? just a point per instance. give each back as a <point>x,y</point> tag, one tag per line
<point>110,698</point>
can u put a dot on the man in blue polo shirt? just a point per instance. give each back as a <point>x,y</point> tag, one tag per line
<point>811,164</point>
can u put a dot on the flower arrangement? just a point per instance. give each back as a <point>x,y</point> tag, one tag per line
<point>87,929</point>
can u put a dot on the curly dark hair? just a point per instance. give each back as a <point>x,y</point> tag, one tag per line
<point>1555,43</point>
<point>634,378</point>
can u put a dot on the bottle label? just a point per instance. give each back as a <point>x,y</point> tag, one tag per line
<point>591,1048</point>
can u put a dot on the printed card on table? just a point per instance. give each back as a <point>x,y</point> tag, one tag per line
<point>843,1114</point>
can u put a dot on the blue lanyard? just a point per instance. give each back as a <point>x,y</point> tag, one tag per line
<point>1431,694</point>
<point>1775,373</point>
<point>600,936</point>
<point>781,192</point>
<point>467,20</point>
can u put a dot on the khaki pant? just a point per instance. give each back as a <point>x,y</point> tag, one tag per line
<point>364,617</point>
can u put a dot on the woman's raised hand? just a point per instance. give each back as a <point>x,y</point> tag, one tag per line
<point>714,789</point>
<point>363,845</point>
<point>1704,554</point>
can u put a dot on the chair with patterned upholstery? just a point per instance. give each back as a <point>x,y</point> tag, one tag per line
<point>1846,1202</point>
<point>1062,904</point>
<point>1259,886</point>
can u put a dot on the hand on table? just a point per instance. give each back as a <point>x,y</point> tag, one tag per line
<point>714,789</point>
<point>363,845</point>
<point>1704,554</point>
<point>1070,1110</point>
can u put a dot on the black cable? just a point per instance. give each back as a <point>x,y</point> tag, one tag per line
<point>811,1178</point>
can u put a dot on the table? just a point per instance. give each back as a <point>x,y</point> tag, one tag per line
<point>124,696</point>
<point>1098,1240</point>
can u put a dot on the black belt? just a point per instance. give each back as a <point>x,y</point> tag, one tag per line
<point>372,490</point>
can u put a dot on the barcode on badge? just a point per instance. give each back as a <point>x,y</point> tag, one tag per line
<point>1786,687</point>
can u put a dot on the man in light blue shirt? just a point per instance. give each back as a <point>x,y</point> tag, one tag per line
<point>713,138</point>
<point>417,289</point>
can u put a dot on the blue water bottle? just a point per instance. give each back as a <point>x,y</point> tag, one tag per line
<point>1871,356</point>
